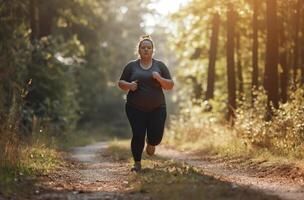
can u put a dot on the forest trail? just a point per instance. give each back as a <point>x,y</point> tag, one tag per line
<point>94,174</point>
<point>269,181</point>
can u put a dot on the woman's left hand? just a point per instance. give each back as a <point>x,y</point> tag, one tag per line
<point>166,84</point>
<point>156,75</point>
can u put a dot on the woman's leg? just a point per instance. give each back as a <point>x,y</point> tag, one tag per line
<point>138,124</point>
<point>156,124</point>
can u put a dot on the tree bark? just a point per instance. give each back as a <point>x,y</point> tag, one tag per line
<point>45,19</point>
<point>284,74</point>
<point>34,25</point>
<point>296,41</point>
<point>239,67</point>
<point>212,56</point>
<point>302,42</point>
<point>255,47</point>
<point>271,64</point>
<point>34,20</point>
<point>230,61</point>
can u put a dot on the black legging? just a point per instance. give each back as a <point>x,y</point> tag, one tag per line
<point>141,122</point>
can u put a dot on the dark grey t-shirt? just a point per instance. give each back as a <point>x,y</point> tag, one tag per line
<point>149,94</point>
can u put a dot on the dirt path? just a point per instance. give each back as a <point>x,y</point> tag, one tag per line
<point>89,176</point>
<point>227,170</point>
<point>93,174</point>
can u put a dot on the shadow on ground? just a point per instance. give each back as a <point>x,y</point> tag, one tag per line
<point>99,172</point>
<point>170,179</point>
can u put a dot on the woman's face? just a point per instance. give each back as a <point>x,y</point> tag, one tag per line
<point>145,49</point>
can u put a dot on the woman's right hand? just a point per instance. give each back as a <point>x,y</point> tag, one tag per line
<point>133,85</point>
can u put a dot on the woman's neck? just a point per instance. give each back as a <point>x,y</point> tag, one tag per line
<point>145,61</point>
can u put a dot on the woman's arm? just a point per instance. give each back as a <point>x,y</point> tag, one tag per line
<point>167,84</point>
<point>124,85</point>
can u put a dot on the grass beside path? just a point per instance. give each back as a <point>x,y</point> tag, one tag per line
<point>220,143</point>
<point>19,181</point>
<point>166,179</point>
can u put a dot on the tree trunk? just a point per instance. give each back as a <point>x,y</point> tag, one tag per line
<point>212,56</point>
<point>34,25</point>
<point>302,43</point>
<point>45,18</point>
<point>255,66</point>
<point>34,20</point>
<point>230,62</point>
<point>271,64</point>
<point>296,41</point>
<point>302,60</point>
<point>41,16</point>
<point>239,67</point>
<point>283,62</point>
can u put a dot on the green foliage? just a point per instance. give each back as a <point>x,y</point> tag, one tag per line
<point>52,88</point>
<point>62,74</point>
<point>69,73</point>
<point>116,33</point>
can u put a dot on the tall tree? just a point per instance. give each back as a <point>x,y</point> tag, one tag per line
<point>302,45</point>
<point>239,66</point>
<point>255,47</point>
<point>231,17</point>
<point>271,64</point>
<point>33,10</point>
<point>46,16</point>
<point>212,56</point>
<point>297,16</point>
<point>284,74</point>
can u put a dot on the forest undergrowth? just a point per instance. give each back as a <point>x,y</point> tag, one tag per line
<point>253,134</point>
<point>27,155</point>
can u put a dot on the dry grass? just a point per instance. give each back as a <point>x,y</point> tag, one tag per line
<point>9,149</point>
<point>210,139</point>
<point>18,158</point>
<point>9,140</point>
